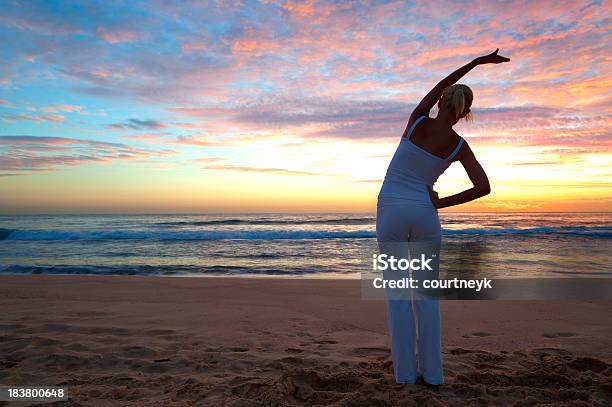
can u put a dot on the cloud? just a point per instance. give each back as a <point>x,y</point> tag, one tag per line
<point>117,35</point>
<point>281,171</point>
<point>193,47</point>
<point>31,153</point>
<point>35,140</point>
<point>168,138</point>
<point>207,159</point>
<point>511,205</point>
<point>310,70</point>
<point>194,141</point>
<point>32,117</point>
<point>63,108</point>
<point>326,47</point>
<point>375,119</point>
<point>138,124</point>
<point>368,181</point>
<point>325,116</point>
<point>159,137</point>
<point>564,185</point>
<point>538,163</point>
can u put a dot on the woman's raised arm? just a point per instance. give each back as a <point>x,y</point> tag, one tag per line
<point>434,95</point>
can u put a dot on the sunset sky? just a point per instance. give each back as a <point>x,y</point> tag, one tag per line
<point>294,106</point>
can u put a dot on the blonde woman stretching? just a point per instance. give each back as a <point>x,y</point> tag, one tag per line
<point>407,213</point>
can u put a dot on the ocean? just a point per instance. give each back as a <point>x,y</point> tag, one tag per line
<point>505,245</point>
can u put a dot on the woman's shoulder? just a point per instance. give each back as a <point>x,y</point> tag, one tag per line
<point>456,135</point>
<point>417,118</point>
<point>412,122</point>
<point>455,138</point>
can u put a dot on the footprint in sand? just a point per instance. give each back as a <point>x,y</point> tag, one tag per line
<point>92,314</point>
<point>477,335</point>
<point>43,341</point>
<point>228,349</point>
<point>248,387</point>
<point>558,334</point>
<point>266,347</point>
<point>550,351</point>
<point>161,331</point>
<point>462,351</point>
<point>325,342</point>
<point>371,351</point>
<point>10,327</point>
<point>138,351</point>
<point>586,363</point>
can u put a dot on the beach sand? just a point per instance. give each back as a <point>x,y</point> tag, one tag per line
<point>128,340</point>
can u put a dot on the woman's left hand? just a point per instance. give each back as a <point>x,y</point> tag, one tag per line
<point>492,58</point>
<point>434,196</point>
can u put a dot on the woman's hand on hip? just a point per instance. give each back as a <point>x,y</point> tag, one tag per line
<point>434,196</point>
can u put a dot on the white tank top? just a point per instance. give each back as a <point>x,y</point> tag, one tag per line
<point>413,169</point>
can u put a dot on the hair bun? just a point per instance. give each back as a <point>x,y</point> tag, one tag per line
<point>458,98</point>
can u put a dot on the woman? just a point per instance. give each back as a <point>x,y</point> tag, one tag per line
<point>407,213</point>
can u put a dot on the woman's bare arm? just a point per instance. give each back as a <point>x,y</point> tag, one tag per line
<point>434,95</point>
<point>477,175</point>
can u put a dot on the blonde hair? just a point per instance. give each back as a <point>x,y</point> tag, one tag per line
<point>458,98</point>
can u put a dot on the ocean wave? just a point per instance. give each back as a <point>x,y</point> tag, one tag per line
<point>587,231</point>
<point>185,235</point>
<point>164,270</point>
<point>5,233</point>
<point>260,221</point>
<point>173,234</point>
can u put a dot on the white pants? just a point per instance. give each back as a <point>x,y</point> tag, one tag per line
<point>413,320</point>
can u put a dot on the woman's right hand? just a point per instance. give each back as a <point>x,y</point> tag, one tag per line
<point>492,58</point>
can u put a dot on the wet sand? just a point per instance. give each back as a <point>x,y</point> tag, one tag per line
<point>246,342</point>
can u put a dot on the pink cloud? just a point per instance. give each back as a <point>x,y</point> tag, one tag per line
<point>63,108</point>
<point>117,35</point>
<point>281,171</point>
<point>349,70</point>
<point>32,117</point>
<point>166,138</point>
<point>194,141</point>
<point>138,124</point>
<point>32,140</point>
<point>30,153</point>
<point>193,47</point>
<point>150,137</point>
